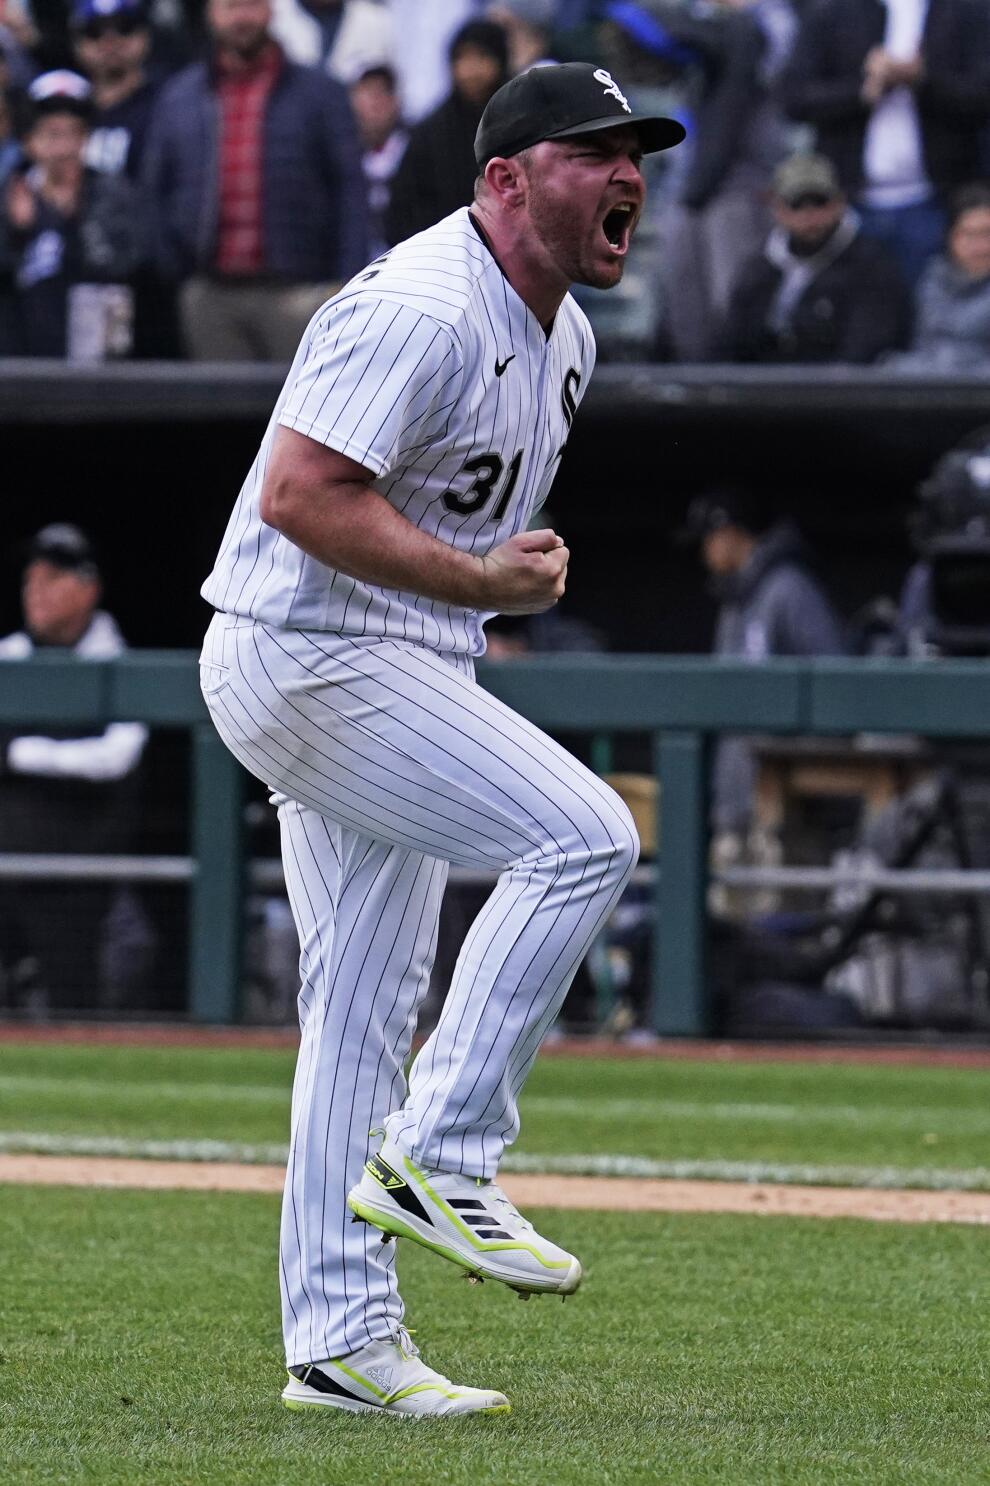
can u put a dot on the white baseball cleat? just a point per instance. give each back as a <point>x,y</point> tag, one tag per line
<point>466,1219</point>
<point>385,1378</point>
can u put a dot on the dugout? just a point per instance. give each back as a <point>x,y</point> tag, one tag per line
<point>149,457</point>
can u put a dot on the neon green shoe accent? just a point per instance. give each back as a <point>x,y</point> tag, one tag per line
<point>421,1388</point>
<point>482,1246</point>
<point>371,1387</point>
<point>399,1229</point>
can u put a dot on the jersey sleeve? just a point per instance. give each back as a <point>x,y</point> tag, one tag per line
<point>378,382</point>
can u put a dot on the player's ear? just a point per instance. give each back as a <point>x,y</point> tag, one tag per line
<point>504,178</point>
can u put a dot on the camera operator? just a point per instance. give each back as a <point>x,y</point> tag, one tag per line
<point>945,600</point>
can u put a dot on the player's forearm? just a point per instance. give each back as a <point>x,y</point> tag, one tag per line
<point>353,529</point>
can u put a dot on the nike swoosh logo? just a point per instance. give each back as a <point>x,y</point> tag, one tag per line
<point>501,365</point>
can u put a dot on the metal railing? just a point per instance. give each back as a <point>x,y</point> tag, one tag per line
<point>680,702</point>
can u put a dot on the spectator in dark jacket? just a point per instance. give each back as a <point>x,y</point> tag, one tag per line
<point>438,170</point>
<point>73,239</point>
<point>770,603</point>
<point>375,101</point>
<point>899,92</point>
<point>254,167</point>
<point>952,316</point>
<point>111,40</point>
<point>819,290</point>
<point>112,44</point>
<point>730,52</point>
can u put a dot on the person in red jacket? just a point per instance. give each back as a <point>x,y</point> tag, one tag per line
<point>254,168</point>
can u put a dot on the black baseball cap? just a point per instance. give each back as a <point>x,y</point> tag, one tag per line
<point>64,546</point>
<point>558,101</point>
<point>720,506</point>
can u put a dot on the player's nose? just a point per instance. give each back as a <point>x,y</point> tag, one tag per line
<point>629,173</point>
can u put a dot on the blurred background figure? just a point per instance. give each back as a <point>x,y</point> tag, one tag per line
<point>112,44</point>
<point>73,239</point>
<point>11,154</point>
<point>253,165</point>
<point>770,602</point>
<point>375,101</point>
<point>729,53</point>
<point>952,311</point>
<point>945,600</point>
<point>69,944</point>
<point>528,25</point>
<point>112,41</point>
<point>421,62</point>
<point>343,37</point>
<point>819,290</point>
<point>16,37</point>
<point>438,169</point>
<point>899,92</point>
<point>11,158</point>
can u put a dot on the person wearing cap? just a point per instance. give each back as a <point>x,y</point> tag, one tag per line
<point>75,239</point>
<point>112,44</point>
<point>253,169</point>
<point>112,40</point>
<point>898,92</point>
<point>66,945</point>
<point>385,519</point>
<point>438,169</point>
<point>770,603</point>
<point>820,290</point>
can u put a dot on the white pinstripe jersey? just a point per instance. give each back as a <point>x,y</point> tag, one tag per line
<point>428,369</point>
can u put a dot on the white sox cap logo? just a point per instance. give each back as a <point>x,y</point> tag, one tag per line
<point>611,87</point>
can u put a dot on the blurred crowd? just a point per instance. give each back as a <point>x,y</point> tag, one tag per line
<point>192,178</point>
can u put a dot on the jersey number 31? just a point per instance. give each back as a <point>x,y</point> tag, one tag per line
<point>487,471</point>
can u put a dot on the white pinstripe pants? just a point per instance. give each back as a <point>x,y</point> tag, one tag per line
<point>387,761</point>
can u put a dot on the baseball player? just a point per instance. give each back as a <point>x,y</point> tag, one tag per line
<point>384,519</point>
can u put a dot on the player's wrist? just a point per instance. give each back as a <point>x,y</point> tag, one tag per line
<point>477,583</point>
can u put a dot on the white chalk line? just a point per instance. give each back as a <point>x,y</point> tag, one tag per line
<point>932,1179</point>
<point>919,1119</point>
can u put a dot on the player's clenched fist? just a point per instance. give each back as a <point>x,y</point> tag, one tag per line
<point>526,574</point>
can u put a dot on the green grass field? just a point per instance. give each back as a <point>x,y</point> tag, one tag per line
<point>139,1338</point>
<point>846,1123</point>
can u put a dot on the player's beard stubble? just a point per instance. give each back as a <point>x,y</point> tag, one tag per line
<point>578,249</point>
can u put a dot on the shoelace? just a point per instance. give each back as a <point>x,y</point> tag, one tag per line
<point>405,1343</point>
<point>499,1199</point>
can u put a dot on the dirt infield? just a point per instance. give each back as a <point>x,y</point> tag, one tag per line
<point>602,1194</point>
<point>174,1034</point>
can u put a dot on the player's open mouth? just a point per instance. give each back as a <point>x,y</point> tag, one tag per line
<point>617,226</point>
